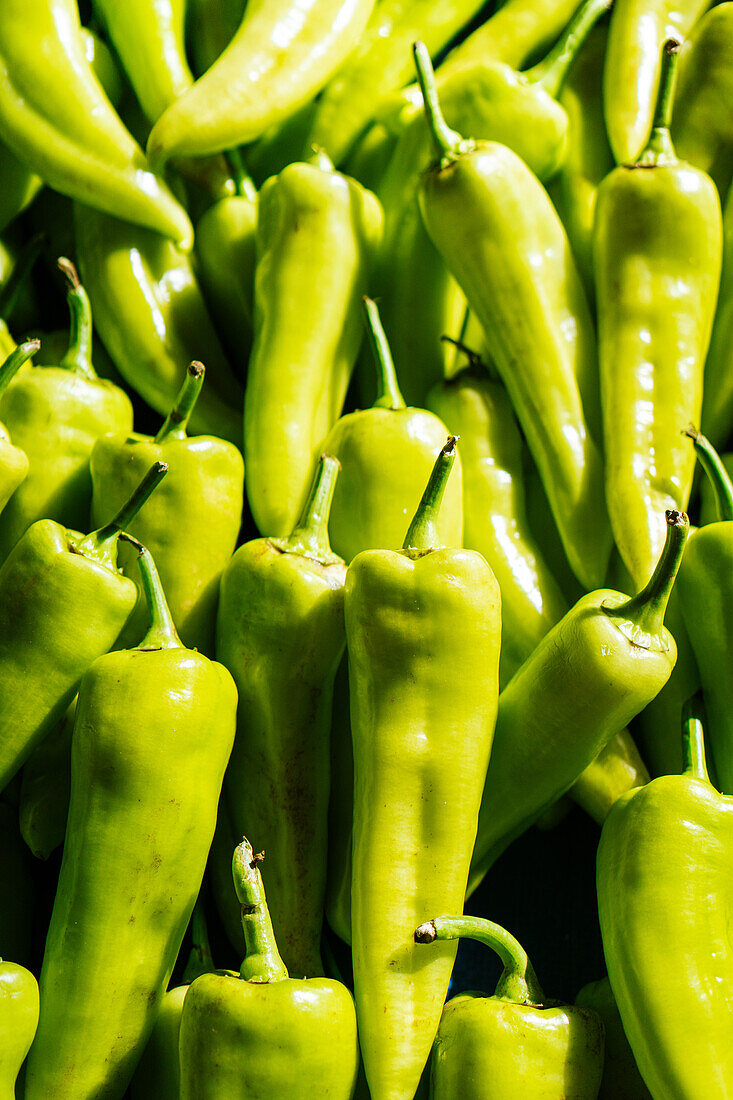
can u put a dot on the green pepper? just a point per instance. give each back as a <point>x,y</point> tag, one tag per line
<point>55,117</point>
<point>261,1033</point>
<point>19,185</point>
<point>17,891</point>
<point>621,1077</point>
<point>13,461</point>
<point>709,504</point>
<point>516,1043</point>
<point>191,525</point>
<point>417,621</point>
<point>55,414</point>
<point>589,676</point>
<point>45,790</point>
<point>663,879</point>
<point>280,632</point>
<point>500,236</point>
<point>18,1019</point>
<point>282,54</point>
<point>153,320</point>
<point>210,27</point>
<point>14,294</point>
<point>657,253</point>
<point>717,406</point>
<point>106,69</point>
<point>310,218</point>
<point>63,603</point>
<point>154,728</point>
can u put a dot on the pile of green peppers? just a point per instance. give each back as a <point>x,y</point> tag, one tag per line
<point>366,549</point>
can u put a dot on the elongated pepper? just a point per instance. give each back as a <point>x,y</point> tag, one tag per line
<point>717,406</point>
<point>417,621</point>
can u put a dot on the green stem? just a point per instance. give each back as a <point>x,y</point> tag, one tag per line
<point>422,534</point>
<point>319,158</point>
<point>20,274</point>
<point>101,545</point>
<point>518,982</point>
<point>552,70</point>
<point>448,143</point>
<point>200,961</point>
<point>243,182</point>
<point>176,422</point>
<point>389,395</point>
<point>641,618</point>
<point>475,362</point>
<point>15,361</point>
<point>79,356</point>
<point>310,535</point>
<point>262,963</point>
<point>693,740</point>
<point>659,148</point>
<point>162,633</point>
<point>715,471</point>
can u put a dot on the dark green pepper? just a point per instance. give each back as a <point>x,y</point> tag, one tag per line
<point>717,406</point>
<point>19,185</point>
<point>210,27</point>
<point>45,790</point>
<point>621,1077</point>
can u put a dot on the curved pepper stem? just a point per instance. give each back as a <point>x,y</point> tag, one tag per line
<point>659,148</point>
<point>101,545</point>
<point>389,395</point>
<point>552,70</point>
<point>162,633</point>
<point>200,961</point>
<point>641,618</point>
<point>79,356</point>
<point>475,364</point>
<point>448,143</point>
<point>176,422</point>
<point>310,535</point>
<point>243,182</point>
<point>422,534</point>
<point>15,361</point>
<point>20,273</point>
<point>518,981</point>
<point>693,740</point>
<point>715,472</point>
<point>262,963</point>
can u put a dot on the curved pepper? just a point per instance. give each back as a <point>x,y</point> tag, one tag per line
<point>191,524</point>
<point>18,1020</point>
<point>17,890</point>
<point>499,234</point>
<point>152,318</point>
<point>638,31</point>
<point>668,949</point>
<point>13,461</point>
<point>594,671</point>
<point>621,1077</point>
<point>260,1032</point>
<point>657,253</point>
<point>417,621</point>
<point>281,610</point>
<point>515,1043</point>
<point>310,218</point>
<point>717,405</point>
<point>55,414</point>
<point>75,141</point>
<point>282,55</point>
<point>154,728</point>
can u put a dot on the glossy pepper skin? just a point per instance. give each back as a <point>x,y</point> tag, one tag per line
<point>282,55</point>
<point>416,620</point>
<point>75,141</point>
<point>280,632</point>
<point>63,603</point>
<point>631,73</point>
<point>260,1034</point>
<point>594,671</point>
<point>657,253</point>
<point>310,218</point>
<point>663,880</point>
<point>717,406</point>
<point>18,1021</point>
<point>499,234</point>
<point>191,524</point>
<point>160,720</point>
<point>153,320</point>
<point>55,414</point>
<point>515,1044</point>
<point>13,461</point>
<point>621,1077</point>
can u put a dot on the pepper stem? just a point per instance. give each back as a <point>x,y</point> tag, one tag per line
<point>475,363</point>
<point>518,981</point>
<point>310,534</point>
<point>693,739</point>
<point>200,961</point>
<point>15,361</point>
<point>715,471</point>
<point>389,395</point>
<point>162,633</point>
<point>642,616</point>
<point>659,149</point>
<point>422,534</point>
<point>552,70</point>
<point>176,422</point>
<point>20,273</point>
<point>262,963</point>
<point>101,545</point>
<point>448,143</point>
<point>79,356</point>
<point>243,183</point>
